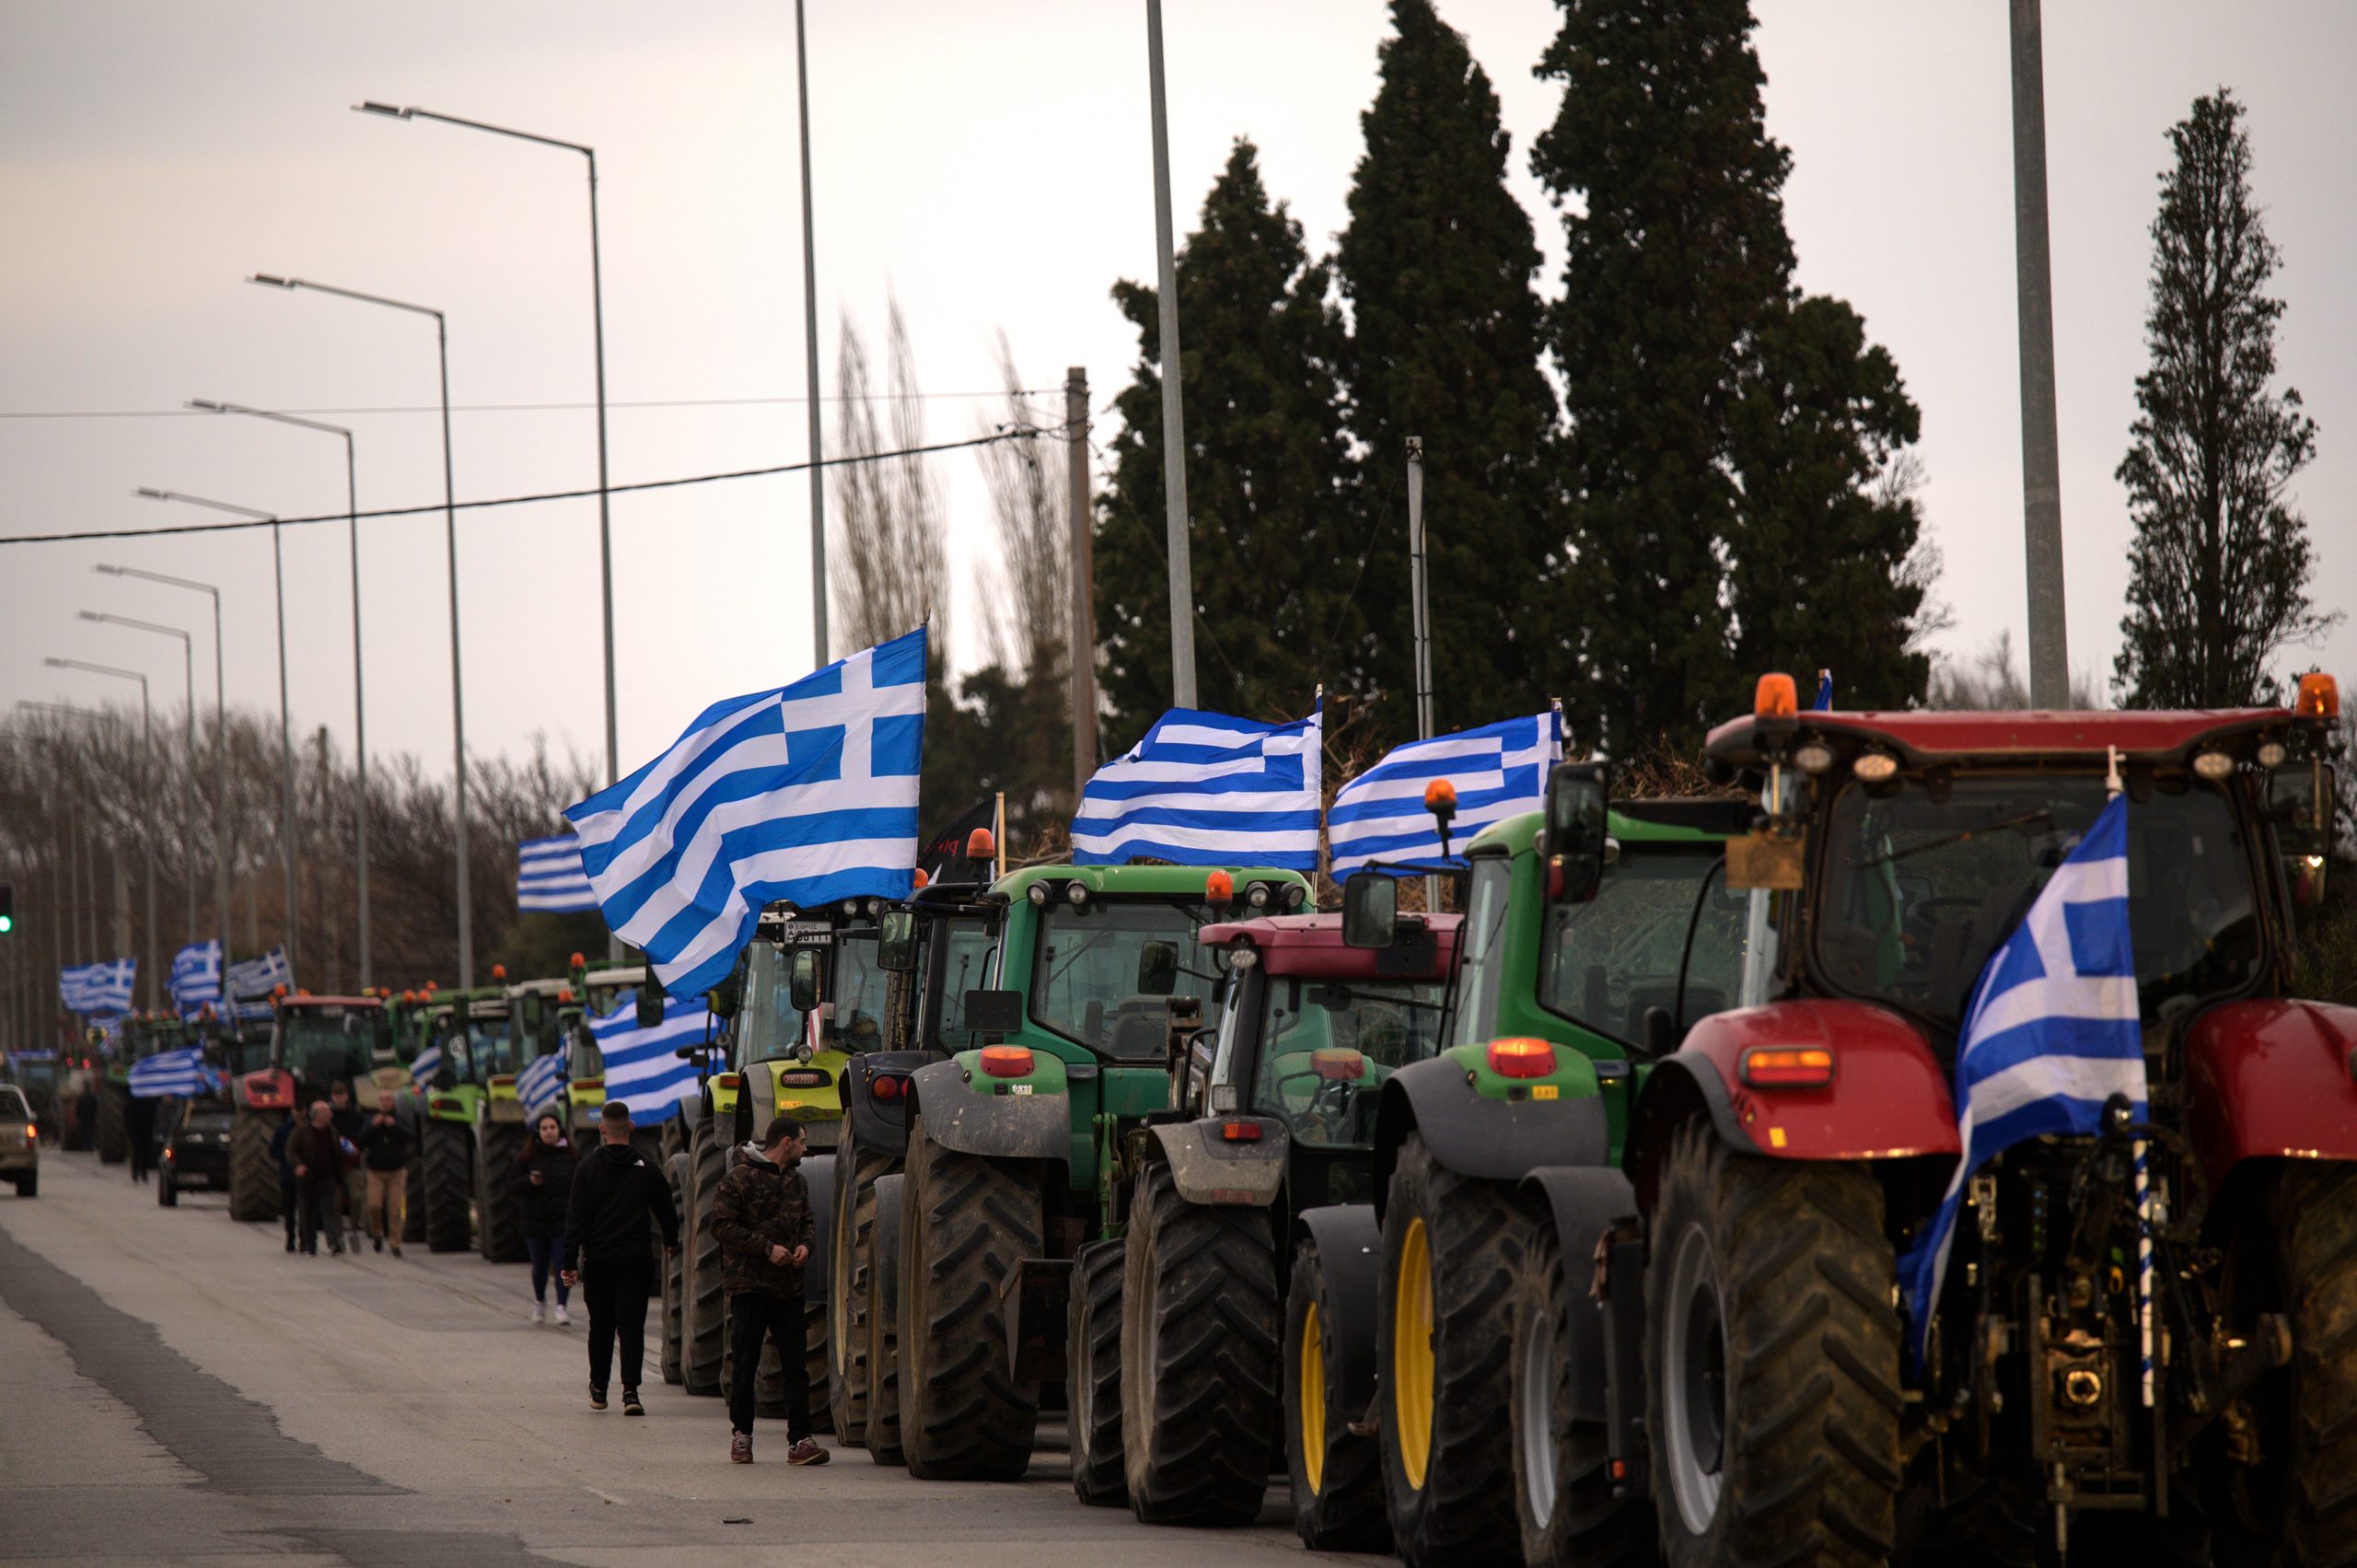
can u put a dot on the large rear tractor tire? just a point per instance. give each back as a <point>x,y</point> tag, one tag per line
<point>114,1125</point>
<point>1200,1357</point>
<point>1772,1360</point>
<point>499,1208</point>
<point>1562,1470</point>
<point>1337,1473</point>
<point>253,1174</point>
<point>448,1160</point>
<point>850,1258</point>
<point>882,1320</point>
<point>1452,1246</point>
<point>705,1305</point>
<point>1093,1376</point>
<point>674,1281</point>
<point>968,1224</point>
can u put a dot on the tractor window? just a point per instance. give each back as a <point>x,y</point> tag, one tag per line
<point>969,952</point>
<point>1608,961</point>
<point>1106,970</point>
<point>856,1021</point>
<point>1326,1047</point>
<point>768,1026</point>
<point>320,1049</point>
<point>1482,965</point>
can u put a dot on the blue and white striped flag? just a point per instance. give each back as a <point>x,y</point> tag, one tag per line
<point>642,1066</point>
<point>259,977</point>
<point>423,1065</point>
<point>1205,789</point>
<point>548,878</point>
<point>806,792</point>
<point>2051,1033</point>
<point>98,988</point>
<point>169,1072</point>
<point>1498,770</point>
<point>540,1082</point>
<point>196,977</point>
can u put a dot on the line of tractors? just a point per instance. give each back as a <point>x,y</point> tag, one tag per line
<point>1563,1229</point>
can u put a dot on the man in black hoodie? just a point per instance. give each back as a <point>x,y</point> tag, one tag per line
<point>616,1193</point>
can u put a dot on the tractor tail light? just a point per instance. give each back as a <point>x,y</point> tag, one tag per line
<point>1788,1067</point>
<point>805,1078</point>
<point>580,1084</point>
<point>726,1080</point>
<point>1521,1058</point>
<point>1241,1132</point>
<point>885,1087</point>
<point>1007,1061</point>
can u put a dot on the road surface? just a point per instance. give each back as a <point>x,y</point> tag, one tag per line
<point>178,1389</point>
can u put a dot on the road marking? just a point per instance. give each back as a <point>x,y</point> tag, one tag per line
<point>607,1496</point>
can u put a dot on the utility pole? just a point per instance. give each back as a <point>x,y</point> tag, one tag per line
<point>2050,658</point>
<point>1082,652</point>
<point>1174,421</point>
<point>810,355</point>
<point>1417,586</point>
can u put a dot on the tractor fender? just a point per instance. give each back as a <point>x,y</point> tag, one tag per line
<point>879,1124</point>
<point>1476,1134</point>
<point>1889,1099</point>
<point>2273,1078</point>
<point>1208,1168</point>
<point>1023,1127</point>
<point>1584,1202</point>
<point>1348,1241</point>
<point>819,1186</point>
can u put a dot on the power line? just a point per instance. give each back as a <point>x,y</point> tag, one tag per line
<point>1012,432</point>
<point>520,408</point>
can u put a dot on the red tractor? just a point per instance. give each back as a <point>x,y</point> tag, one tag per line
<point>2145,1334</point>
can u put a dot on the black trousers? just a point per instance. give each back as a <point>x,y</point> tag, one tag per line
<point>616,1295</point>
<point>751,1316</point>
<point>321,1204</point>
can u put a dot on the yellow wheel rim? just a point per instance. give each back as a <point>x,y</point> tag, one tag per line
<point>1411,1352</point>
<point>1313,1400</point>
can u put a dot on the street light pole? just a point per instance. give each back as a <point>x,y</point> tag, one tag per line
<point>359,702</point>
<point>2050,657</point>
<point>188,795</point>
<point>1173,420</point>
<point>810,350</point>
<point>146,795</point>
<point>450,533</point>
<point>286,731</point>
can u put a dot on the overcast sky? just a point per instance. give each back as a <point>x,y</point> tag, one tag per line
<point>992,166</point>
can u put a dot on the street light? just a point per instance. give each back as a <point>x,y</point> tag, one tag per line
<point>188,655</point>
<point>286,731</point>
<point>450,531</point>
<point>359,708</point>
<point>146,795</point>
<point>221,723</point>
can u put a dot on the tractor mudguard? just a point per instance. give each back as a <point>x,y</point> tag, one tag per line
<point>819,1186</point>
<point>974,1121</point>
<point>1585,1202</point>
<point>879,1124</point>
<point>2272,1079</point>
<point>1478,1134</point>
<point>1209,1167</point>
<point>1350,1249</point>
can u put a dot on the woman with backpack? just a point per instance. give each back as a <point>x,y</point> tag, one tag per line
<point>544,1181</point>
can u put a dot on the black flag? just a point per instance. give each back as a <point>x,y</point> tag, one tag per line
<point>943,856</point>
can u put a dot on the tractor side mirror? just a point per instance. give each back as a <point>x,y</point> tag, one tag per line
<point>2299,802</point>
<point>1577,798</point>
<point>802,981</point>
<point>1157,968</point>
<point>1370,909</point>
<point>650,1003</point>
<point>895,942</point>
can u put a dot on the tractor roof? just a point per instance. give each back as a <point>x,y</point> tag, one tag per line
<point>1311,946</point>
<point>1924,738</point>
<point>1679,820</point>
<point>308,1004</point>
<point>1145,881</point>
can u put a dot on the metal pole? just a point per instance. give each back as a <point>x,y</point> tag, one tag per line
<point>359,707</point>
<point>221,782</point>
<point>147,788</point>
<point>285,759</point>
<point>810,355</point>
<point>1416,569</point>
<point>188,788</point>
<point>1082,652</point>
<point>458,689</point>
<point>605,549</point>
<point>1174,424</point>
<point>2049,661</point>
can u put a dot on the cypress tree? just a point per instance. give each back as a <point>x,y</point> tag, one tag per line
<point>1446,341</point>
<point>1264,475</point>
<point>2218,574</point>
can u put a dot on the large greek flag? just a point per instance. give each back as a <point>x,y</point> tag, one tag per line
<point>644,1066</point>
<point>1498,770</point>
<point>98,988</point>
<point>259,977</point>
<point>2049,1036</point>
<point>540,1082</point>
<point>169,1072</point>
<point>806,792</point>
<point>548,878</point>
<point>1205,789</point>
<point>196,977</point>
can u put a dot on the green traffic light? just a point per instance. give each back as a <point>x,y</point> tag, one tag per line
<point>7,923</point>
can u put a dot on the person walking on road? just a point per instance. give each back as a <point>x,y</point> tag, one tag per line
<point>384,1149</point>
<point>317,1151</point>
<point>350,1122</point>
<point>616,1193</point>
<point>761,1216</point>
<point>544,1185</point>
<point>139,1119</point>
<point>282,1150</point>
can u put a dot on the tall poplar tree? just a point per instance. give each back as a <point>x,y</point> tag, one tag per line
<point>2219,571</point>
<point>1446,343</point>
<point>1265,474</point>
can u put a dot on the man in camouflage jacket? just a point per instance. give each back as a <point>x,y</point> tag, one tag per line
<point>761,1216</point>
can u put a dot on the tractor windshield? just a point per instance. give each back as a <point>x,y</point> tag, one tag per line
<point>319,1047</point>
<point>967,945</point>
<point>1106,969</point>
<point>1604,964</point>
<point>856,1023</point>
<point>1917,893</point>
<point>1326,1047</point>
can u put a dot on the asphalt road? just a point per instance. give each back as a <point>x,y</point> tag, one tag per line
<point>175,1387</point>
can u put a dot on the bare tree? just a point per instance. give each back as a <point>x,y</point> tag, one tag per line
<point>889,527</point>
<point>1990,680</point>
<point>1030,582</point>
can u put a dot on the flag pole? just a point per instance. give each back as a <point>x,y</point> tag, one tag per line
<point>998,832</point>
<point>2140,1150</point>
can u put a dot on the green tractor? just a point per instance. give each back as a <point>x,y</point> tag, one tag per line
<point>142,1035</point>
<point>464,1039</point>
<point>1013,1141</point>
<point>315,1043</point>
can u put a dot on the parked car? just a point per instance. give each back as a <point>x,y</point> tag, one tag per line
<point>19,1141</point>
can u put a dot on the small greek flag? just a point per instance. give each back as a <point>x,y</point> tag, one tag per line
<point>1205,789</point>
<point>1498,770</point>
<point>196,978</point>
<point>259,977</point>
<point>540,1082</point>
<point>178,1073</point>
<point>98,988</point>
<point>2051,1033</point>
<point>808,792</point>
<point>1824,703</point>
<point>642,1066</point>
<point>423,1067</point>
<point>548,878</point>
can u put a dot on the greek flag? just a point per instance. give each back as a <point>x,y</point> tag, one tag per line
<point>806,792</point>
<point>1498,770</point>
<point>540,1082</point>
<point>196,977</point>
<point>259,977</point>
<point>178,1073</point>
<point>642,1066</point>
<point>1824,703</point>
<point>422,1066</point>
<point>1205,789</point>
<point>98,988</point>
<point>549,876</point>
<point>2049,1036</point>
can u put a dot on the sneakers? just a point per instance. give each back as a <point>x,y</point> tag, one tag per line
<point>540,1312</point>
<point>397,1248</point>
<point>596,1398</point>
<point>806,1452</point>
<point>630,1404</point>
<point>740,1447</point>
<point>563,1318</point>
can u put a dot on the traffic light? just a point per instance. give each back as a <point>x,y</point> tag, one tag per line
<point>7,908</point>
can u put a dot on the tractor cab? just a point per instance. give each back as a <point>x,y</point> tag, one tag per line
<point>596,995</point>
<point>315,1043</point>
<point>808,995</point>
